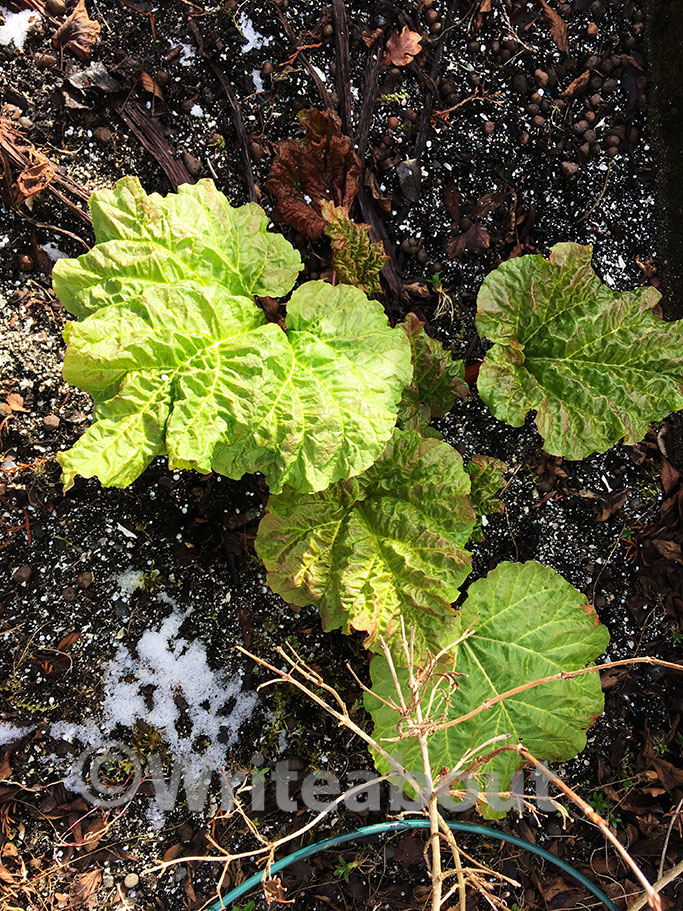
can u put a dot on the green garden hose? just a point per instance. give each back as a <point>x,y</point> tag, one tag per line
<point>397,826</point>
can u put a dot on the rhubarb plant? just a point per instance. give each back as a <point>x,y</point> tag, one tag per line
<point>597,365</point>
<point>180,360</point>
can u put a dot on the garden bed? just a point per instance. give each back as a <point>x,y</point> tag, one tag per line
<point>495,142</point>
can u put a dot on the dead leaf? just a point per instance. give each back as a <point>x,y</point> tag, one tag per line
<point>671,478</point>
<point>668,549</point>
<point>452,199</point>
<point>149,85</point>
<point>557,26</point>
<point>488,203</point>
<point>15,402</point>
<point>369,38</point>
<point>78,33</point>
<point>35,176</point>
<point>5,767</point>
<point>322,166</point>
<point>474,240</point>
<point>402,47</point>
<point>610,504</point>
<point>5,875</point>
<point>275,892</point>
<point>420,289</point>
<point>383,200</point>
<point>172,852</point>
<point>577,85</point>
<point>70,639</point>
<point>84,889</point>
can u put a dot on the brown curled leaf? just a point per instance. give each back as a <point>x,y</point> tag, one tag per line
<point>557,26</point>
<point>402,47</point>
<point>37,174</point>
<point>78,33</point>
<point>577,86</point>
<point>321,166</point>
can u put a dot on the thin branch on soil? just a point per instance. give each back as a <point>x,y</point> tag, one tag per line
<point>674,817</point>
<point>149,133</point>
<point>235,114</point>
<point>343,74</point>
<point>657,887</point>
<point>320,85</point>
<point>599,199</point>
<point>651,896</point>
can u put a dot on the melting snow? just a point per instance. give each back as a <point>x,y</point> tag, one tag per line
<point>17,26</point>
<point>254,39</point>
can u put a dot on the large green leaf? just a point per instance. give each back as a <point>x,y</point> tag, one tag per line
<point>486,481</point>
<point>181,361</point>
<point>529,623</point>
<point>596,364</point>
<point>437,379</point>
<point>385,545</point>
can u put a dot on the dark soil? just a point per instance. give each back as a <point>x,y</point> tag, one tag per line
<point>519,163</point>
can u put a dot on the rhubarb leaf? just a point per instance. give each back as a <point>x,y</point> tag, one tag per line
<point>437,379</point>
<point>386,545</point>
<point>529,623</point>
<point>486,481</point>
<point>181,361</point>
<point>596,365</point>
<point>356,260</point>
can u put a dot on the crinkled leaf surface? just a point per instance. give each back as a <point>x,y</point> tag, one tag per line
<point>596,364</point>
<point>437,379</point>
<point>486,481</point>
<point>384,545</point>
<point>529,624</point>
<point>180,360</point>
<point>355,258</point>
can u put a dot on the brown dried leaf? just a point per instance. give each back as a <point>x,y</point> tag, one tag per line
<point>669,549</point>
<point>382,200</point>
<point>149,85</point>
<point>322,166</point>
<point>452,200</point>
<point>402,47</point>
<point>84,889</point>
<point>474,240</point>
<point>577,85</point>
<point>78,33</point>
<point>369,38</point>
<point>275,892</point>
<point>70,639</point>
<point>15,402</point>
<point>557,26</point>
<point>671,477</point>
<point>35,176</point>
<point>610,504</point>
<point>488,203</point>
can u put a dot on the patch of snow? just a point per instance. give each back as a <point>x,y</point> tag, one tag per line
<point>187,55</point>
<point>254,39</point>
<point>17,26</point>
<point>129,581</point>
<point>54,252</point>
<point>196,111</point>
<point>9,732</point>
<point>258,82</point>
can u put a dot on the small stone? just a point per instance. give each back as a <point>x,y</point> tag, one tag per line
<point>633,135</point>
<point>432,16</point>
<point>22,574</point>
<point>592,31</point>
<point>580,127</point>
<point>598,9</point>
<point>524,137</point>
<point>609,86</point>
<point>612,152</point>
<point>435,28</point>
<point>585,149</point>
<point>595,100</point>
<point>25,123</point>
<point>541,77</point>
<point>69,593</point>
<point>590,136</point>
<point>51,422</point>
<point>538,121</point>
<point>103,135</point>
<point>489,127</point>
<point>186,105</point>
<point>84,579</point>
<point>193,165</point>
<point>520,84</point>
<point>107,880</point>
<point>569,168</point>
<point>612,141</point>
<point>267,69</point>
<point>55,7</point>
<point>131,880</point>
<point>410,115</point>
<point>393,123</point>
<point>328,31</point>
